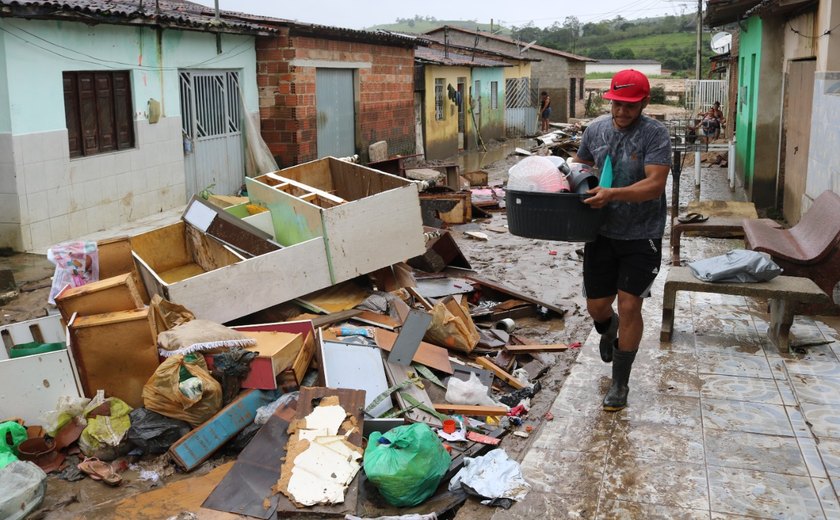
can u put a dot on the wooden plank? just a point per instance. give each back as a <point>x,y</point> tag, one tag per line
<point>376,319</point>
<point>184,495</point>
<point>117,293</point>
<point>515,294</point>
<point>303,189</point>
<point>115,258</point>
<point>554,347</point>
<point>337,298</point>
<point>199,444</point>
<point>498,372</point>
<point>116,352</point>
<point>399,373</point>
<point>469,409</point>
<point>429,355</point>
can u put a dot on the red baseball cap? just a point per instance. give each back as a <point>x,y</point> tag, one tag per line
<point>628,85</point>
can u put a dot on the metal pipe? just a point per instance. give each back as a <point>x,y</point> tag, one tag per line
<point>731,163</point>
<point>697,169</point>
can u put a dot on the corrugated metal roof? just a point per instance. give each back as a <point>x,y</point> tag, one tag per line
<point>181,13</point>
<point>441,57</point>
<point>505,39</point>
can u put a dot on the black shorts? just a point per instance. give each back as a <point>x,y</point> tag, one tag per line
<point>611,265</point>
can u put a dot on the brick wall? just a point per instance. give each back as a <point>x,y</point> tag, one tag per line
<point>288,113</point>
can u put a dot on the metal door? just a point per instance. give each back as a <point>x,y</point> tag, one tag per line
<point>336,118</point>
<point>211,119</point>
<point>520,107</point>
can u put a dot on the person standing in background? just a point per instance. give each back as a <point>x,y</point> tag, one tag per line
<point>545,111</point>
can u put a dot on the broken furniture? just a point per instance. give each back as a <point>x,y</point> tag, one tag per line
<point>193,269</point>
<point>340,205</point>
<point>784,293</point>
<point>810,249</point>
<point>393,165</point>
<point>443,206</point>
<point>117,293</point>
<point>30,386</point>
<point>116,352</point>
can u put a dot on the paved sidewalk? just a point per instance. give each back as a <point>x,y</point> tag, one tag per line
<point>719,423</point>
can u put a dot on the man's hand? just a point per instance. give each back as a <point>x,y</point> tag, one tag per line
<point>600,197</point>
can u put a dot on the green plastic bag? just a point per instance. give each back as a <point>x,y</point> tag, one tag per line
<point>12,434</point>
<point>406,464</point>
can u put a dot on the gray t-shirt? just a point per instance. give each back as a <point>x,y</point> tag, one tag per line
<point>646,142</point>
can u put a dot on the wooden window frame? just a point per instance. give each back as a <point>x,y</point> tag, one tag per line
<point>494,95</point>
<point>98,111</point>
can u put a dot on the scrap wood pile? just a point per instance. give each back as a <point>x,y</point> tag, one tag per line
<point>381,390</point>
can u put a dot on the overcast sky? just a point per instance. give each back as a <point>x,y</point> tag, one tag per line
<point>359,14</point>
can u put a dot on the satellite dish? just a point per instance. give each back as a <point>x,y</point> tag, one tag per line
<point>721,42</point>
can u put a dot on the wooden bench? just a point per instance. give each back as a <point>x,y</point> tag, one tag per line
<point>811,248</point>
<point>784,293</point>
<point>714,226</point>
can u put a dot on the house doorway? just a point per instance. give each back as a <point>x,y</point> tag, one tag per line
<point>462,82</point>
<point>334,100</point>
<point>211,123</point>
<point>572,97</point>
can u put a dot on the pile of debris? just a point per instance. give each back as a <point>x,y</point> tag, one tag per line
<point>347,353</point>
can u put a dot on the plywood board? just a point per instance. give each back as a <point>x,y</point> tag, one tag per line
<point>469,409</point>
<point>184,495</point>
<point>498,372</point>
<point>338,298</point>
<point>31,386</point>
<point>116,352</point>
<point>429,355</point>
<point>373,232</point>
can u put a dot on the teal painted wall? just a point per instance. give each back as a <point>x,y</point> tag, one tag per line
<point>748,76</point>
<point>492,124</point>
<point>5,117</point>
<point>38,51</point>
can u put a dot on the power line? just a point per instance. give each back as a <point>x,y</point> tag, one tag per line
<point>105,62</point>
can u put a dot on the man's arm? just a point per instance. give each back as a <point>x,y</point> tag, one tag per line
<point>577,159</point>
<point>649,188</point>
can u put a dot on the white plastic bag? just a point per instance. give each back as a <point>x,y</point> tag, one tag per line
<point>470,392</point>
<point>536,174</point>
<point>494,476</point>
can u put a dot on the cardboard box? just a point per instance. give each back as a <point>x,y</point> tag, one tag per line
<point>117,293</point>
<point>368,219</point>
<point>115,351</point>
<point>277,352</point>
<point>188,267</point>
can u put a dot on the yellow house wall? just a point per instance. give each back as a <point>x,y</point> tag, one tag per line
<point>442,135</point>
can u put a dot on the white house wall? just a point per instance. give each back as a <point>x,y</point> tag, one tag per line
<point>823,159</point>
<point>45,196</point>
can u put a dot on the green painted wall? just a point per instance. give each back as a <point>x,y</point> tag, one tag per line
<point>492,124</point>
<point>5,116</point>
<point>749,72</point>
<point>38,51</point>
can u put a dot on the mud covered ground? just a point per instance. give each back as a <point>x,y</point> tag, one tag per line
<point>547,270</point>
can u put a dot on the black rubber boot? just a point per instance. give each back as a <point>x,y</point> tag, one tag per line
<point>616,397</point>
<point>609,332</point>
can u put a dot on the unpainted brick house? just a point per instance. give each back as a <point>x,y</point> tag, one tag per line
<point>329,91</point>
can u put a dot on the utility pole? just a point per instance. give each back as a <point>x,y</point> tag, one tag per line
<point>699,37</point>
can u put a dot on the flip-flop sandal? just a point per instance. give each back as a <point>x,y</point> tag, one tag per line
<point>98,470</point>
<point>693,217</point>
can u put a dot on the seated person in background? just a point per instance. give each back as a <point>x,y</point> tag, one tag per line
<point>710,124</point>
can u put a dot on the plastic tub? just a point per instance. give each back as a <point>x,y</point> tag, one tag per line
<point>552,216</point>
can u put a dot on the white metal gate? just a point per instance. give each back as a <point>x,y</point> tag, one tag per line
<point>520,107</point>
<point>701,94</point>
<point>211,119</point>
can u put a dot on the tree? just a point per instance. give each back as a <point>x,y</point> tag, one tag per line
<point>601,53</point>
<point>624,53</point>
